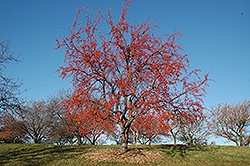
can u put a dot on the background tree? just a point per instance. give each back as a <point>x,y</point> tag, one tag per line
<point>131,70</point>
<point>147,129</point>
<point>36,121</point>
<point>74,127</point>
<point>9,89</point>
<point>59,133</point>
<point>174,123</point>
<point>10,132</point>
<point>90,129</point>
<point>10,102</point>
<point>87,120</point>
<point>194,132</point>
<point>188,127</point>
<point>232,122</point>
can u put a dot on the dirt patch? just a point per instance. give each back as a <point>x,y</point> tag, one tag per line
<point>131,156</point>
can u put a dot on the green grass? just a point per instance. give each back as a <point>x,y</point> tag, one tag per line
<point>38,154</point>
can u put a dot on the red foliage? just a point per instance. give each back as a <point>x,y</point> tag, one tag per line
<point>130,70</point>
<point>148,127</point>
<point>86,120</point>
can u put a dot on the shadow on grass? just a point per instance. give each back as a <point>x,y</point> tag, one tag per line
<point>37,154</point>
<point>180,150</point>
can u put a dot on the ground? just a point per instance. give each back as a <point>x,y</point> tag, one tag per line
<point>131,156</point>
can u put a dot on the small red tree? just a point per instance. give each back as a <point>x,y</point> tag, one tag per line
<point>146,128</point>
<point>88,126</point>
<point>130,70</point>
<point>86,119</point>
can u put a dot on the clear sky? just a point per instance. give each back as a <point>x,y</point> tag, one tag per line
<point>216,35</point>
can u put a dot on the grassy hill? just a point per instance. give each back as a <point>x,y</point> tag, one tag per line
<point>38,154</point>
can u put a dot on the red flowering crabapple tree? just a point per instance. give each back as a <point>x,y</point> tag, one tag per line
<point>130,70</point>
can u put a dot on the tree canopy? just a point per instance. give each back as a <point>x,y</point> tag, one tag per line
<point>130,70</point>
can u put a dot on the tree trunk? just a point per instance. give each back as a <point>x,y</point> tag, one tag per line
<point>135,136</point>
<point>36,141</point>
<point>124,142</point>
<point>70,141</point>
<point>174,140</point>
<point>79,139</point>
<point>241,140</point>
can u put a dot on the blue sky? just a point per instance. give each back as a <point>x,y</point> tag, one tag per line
<point>216,35</point>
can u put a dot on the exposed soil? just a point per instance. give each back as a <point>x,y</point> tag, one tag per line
<point>131,156</point>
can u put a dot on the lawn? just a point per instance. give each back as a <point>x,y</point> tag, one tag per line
<point>39,154</point>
